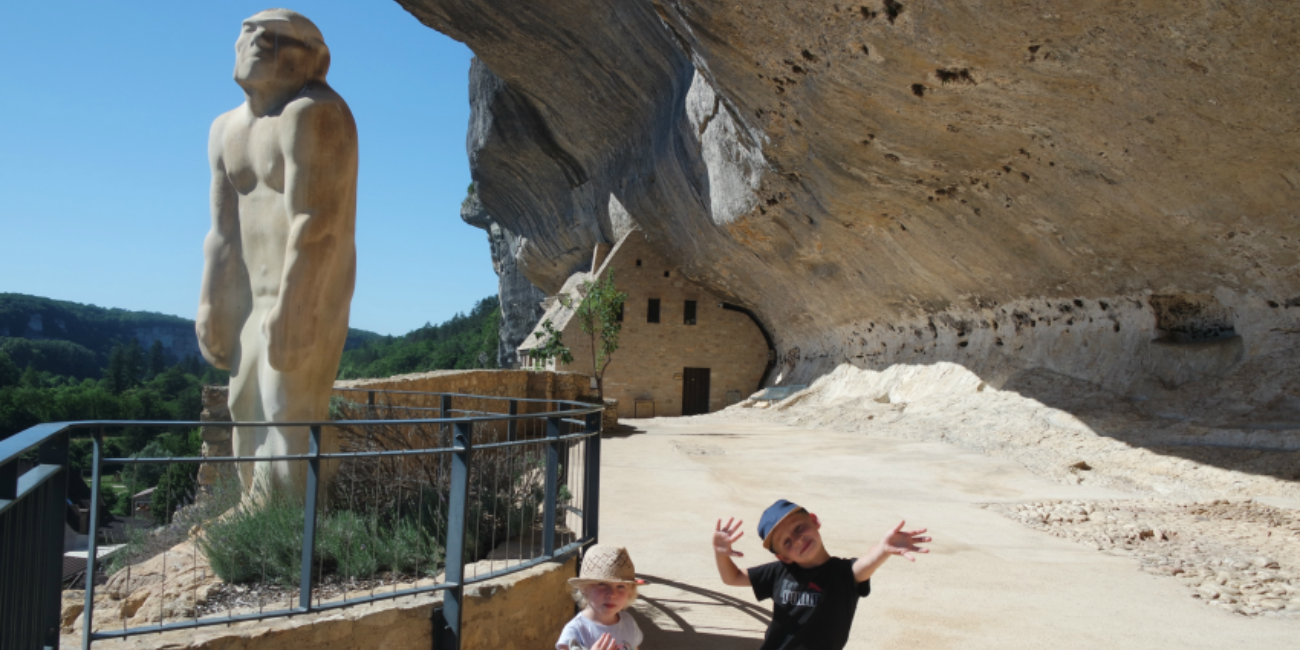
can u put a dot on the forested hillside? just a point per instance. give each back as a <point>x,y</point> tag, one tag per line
<point>76,340</point>
<point>464,341</point>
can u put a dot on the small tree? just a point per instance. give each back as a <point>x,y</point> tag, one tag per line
<point>598,315</point>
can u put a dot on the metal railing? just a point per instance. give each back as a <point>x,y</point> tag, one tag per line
<point>490,488</point>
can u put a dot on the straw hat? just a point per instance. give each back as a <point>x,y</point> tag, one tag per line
<point>605,564</point>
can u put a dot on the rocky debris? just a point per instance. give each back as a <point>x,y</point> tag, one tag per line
<point>1058,427</point>
<point>165,588</point>
<point>1238,555</point>
<point>222,599</point>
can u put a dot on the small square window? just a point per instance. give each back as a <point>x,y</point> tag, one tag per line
<point>638,262</point>
<point>666,274</point>
<point>652,312</point>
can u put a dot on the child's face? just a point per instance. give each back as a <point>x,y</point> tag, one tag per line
<point>607,598</point>
<point>797,538</point>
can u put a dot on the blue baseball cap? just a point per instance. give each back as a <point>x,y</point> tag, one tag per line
<point>772,517</point>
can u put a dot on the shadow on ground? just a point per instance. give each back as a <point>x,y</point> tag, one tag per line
<point>623,430</point>
<point>686,617</point>
<point>1209,423</point>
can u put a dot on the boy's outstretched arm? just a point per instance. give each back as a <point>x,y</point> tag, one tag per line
<point>896,542</point>
<point>723,538</point>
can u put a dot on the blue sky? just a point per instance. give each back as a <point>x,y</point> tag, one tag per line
<point>103,163</point>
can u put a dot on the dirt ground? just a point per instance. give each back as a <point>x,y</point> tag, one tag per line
<point>1020,559</point>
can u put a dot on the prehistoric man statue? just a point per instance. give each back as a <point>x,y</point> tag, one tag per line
<point>280,260</point>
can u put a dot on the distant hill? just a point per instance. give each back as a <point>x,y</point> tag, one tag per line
<point>464,341</point>
<point>75,340</point>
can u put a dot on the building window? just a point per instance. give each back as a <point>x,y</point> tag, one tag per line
<point>638,262</point>
<point>652,313</point>
<point>690,312</point>
<point>620,312</point>
<point>666,274</point>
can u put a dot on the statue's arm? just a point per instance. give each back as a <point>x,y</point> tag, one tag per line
<point>319,140</point>
<point>221,293</point>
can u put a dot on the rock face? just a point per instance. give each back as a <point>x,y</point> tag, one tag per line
<point>521,302</point>
<point>1003,187</point>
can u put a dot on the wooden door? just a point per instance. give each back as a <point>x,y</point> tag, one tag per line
<point>695,391</point>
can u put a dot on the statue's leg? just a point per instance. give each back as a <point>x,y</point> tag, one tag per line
<point>245,401</point>
<point>299,396</point>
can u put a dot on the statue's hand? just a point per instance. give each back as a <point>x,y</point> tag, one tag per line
<point>212,346</point>
<point>284,348</point>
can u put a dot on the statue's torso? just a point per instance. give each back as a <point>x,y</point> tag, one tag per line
<point>254,163</point>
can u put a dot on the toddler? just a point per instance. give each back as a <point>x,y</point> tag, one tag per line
<point>607,585</point>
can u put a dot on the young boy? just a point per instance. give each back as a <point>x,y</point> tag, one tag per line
<point>814,595</point>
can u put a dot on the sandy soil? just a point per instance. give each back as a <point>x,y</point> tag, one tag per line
<point>1014,564</point>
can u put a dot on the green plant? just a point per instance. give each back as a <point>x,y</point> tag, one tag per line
<point>352,542</point>
<point>175,489</point>
<point>263,543</point>
<point>256,542</point>
<point>599,316</point>
<point>552,346</point>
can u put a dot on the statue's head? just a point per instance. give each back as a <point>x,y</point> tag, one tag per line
<point>278,45</point>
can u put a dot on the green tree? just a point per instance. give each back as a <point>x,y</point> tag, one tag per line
<point>156,362</point>
<point>176,488</point>
<point>133,361</point>
<point>9,372</point>
<point>115,373</point>
<point>465,341</point>
<point>598,316</point>
<point>30,378</point>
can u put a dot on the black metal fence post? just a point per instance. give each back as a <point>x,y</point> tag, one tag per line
<point>309,519</point>
<point>444,412</point>
<point>453,603</point>
<point>591,479</point>
<point>512,426</point>
<point>11,538</point>
<point>92,547</point>
<point>54,452</point>
<point>552,485</point>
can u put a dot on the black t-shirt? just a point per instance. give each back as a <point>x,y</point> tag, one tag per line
<point>812,608</point>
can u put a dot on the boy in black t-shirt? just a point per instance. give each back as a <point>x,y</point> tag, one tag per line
<point>814,595</point>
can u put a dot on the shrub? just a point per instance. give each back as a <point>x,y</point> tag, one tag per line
<point>264,543</point>
<point>256,542</point>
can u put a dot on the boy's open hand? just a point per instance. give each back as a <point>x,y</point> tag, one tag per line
<point>904,542</point>
<point>725,536</point>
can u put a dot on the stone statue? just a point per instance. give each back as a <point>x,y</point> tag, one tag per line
<point>280,260</point>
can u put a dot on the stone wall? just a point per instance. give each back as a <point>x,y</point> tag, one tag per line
<point>520,611</point>
<point>527,384</point>
<point>216,440</point>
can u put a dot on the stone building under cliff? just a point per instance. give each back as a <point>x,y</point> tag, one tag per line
<point>682,350</point>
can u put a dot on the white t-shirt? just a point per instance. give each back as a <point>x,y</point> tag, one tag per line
<point>582,633</point>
